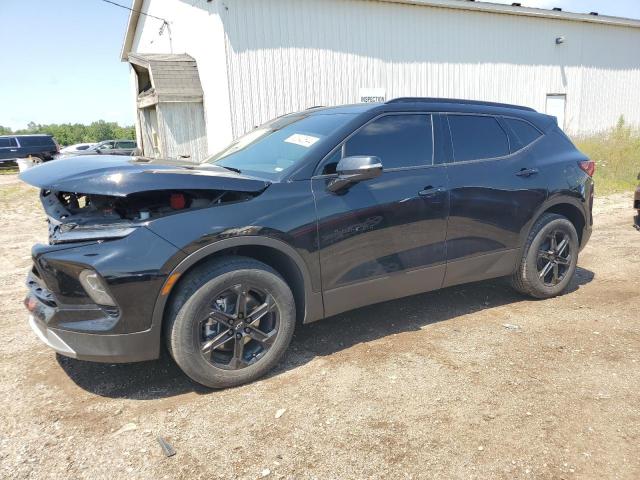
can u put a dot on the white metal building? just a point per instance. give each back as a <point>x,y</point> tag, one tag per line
<point>246,61</point>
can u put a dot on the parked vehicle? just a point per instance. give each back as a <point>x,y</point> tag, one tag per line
<point>110,147</point>
<point>636,205</point>
<point>308,216</point>
<point>40,147</point>
<point>73,149</point>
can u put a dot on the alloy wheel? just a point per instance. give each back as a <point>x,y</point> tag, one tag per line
<point>240,327</point>
<point>554,258</point>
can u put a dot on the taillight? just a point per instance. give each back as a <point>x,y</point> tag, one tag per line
<point>588,167</point>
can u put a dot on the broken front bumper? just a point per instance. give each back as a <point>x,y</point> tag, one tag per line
<point>83,345</point>
<point>66,319</point>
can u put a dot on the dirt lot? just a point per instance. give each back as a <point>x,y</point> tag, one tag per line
<point>434,386</point>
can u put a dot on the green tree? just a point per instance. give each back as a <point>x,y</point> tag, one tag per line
<point>70,133</point>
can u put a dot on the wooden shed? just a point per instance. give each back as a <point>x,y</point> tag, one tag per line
<point>170,110</point>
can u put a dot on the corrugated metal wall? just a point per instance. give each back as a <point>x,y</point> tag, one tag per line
<point>182,130</point>
<point>287,55</point>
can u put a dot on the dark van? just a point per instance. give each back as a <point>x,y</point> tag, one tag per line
<point>40,147</point>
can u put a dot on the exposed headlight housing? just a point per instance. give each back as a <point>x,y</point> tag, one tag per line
<point>68,233</point>
<point>96,288</point>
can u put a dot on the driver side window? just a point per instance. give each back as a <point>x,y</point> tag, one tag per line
<point>399,140</point>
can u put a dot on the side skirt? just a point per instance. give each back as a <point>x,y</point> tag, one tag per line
<point>483,267</point>
<point>381,289</point>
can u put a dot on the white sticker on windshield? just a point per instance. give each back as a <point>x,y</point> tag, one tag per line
<point>302,140</point>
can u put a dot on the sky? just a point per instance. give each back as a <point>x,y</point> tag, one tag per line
<point>61,58</point>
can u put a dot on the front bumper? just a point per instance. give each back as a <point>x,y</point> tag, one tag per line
<point>124,348</point>
<point>66,319</point>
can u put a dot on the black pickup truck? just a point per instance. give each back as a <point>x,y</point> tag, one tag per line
<point>40,147</point>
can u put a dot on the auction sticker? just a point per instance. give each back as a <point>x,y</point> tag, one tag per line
<point>302,140</point>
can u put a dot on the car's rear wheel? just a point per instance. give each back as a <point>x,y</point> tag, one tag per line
<point>231,321</point>
<point>549,258</point>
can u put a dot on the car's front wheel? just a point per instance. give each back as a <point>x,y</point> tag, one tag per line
<point>549,258</point>
<point>231,321</point>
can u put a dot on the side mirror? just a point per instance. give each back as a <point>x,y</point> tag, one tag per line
<point>355,169</point>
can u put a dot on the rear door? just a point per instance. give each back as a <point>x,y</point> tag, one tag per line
<point>8,148</point>
<point>383,238</point>
<point>495,189</point>
<point>124,147</point>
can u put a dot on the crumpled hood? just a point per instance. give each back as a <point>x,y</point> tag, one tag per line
<point>119,176</point>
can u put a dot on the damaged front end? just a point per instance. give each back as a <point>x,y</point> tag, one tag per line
<point>109,198</point>
<point>76,217</point>
<point>92,289</point>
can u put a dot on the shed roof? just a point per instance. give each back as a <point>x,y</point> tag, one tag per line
<point>174,77</point>
<point>452,4</point>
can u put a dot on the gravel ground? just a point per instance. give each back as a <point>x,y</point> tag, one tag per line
<point>433,386</point>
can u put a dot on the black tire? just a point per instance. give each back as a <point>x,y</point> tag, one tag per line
<point>189,320</point>
<point>537,258</point>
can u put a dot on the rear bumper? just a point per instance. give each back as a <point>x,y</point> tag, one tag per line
<point>636,205</point>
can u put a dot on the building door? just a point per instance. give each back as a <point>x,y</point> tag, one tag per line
<point>556,104</point>
<point>383,238</point>
<point>149,129</point>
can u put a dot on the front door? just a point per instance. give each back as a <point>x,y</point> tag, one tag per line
<point>383,238</point>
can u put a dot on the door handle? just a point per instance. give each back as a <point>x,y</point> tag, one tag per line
<point>13,150</point>
<point>527,172</point>
<point>430,191</point>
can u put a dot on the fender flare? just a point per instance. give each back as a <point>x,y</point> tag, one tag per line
<point>314,309</point>
<point>546,205</point>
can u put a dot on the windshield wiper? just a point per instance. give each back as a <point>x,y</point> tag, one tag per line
<point>230,168</point>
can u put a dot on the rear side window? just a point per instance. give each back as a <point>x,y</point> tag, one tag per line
<point>475,137</point>
<point>524,131</point>
<point>7,142</point>
<point>398,140</point>
<point>36,141</point>
<point>126,145</point>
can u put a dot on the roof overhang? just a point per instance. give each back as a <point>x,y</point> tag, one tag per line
<point>173,77</point>
<point>452,4</point>
<point>523,11</point>
<point>134,16</point>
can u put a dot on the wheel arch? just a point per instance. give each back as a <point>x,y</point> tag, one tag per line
<point>569,208</point>
<point>275,253</point>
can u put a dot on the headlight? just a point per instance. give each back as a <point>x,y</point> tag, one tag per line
<point>67,234</point>
<point>96,288</point>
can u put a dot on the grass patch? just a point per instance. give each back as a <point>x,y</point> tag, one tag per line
<point>617,156</point>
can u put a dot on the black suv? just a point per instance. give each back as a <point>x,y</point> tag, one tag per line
<point>39,147</point>
<point>307,216</point>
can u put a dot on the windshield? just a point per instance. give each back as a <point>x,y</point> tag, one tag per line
<point>276,147</point>
<point>96,146</point>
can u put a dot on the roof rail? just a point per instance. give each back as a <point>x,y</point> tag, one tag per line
<point>459,101</point>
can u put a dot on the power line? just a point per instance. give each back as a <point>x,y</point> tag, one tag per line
<point>136,11</point>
